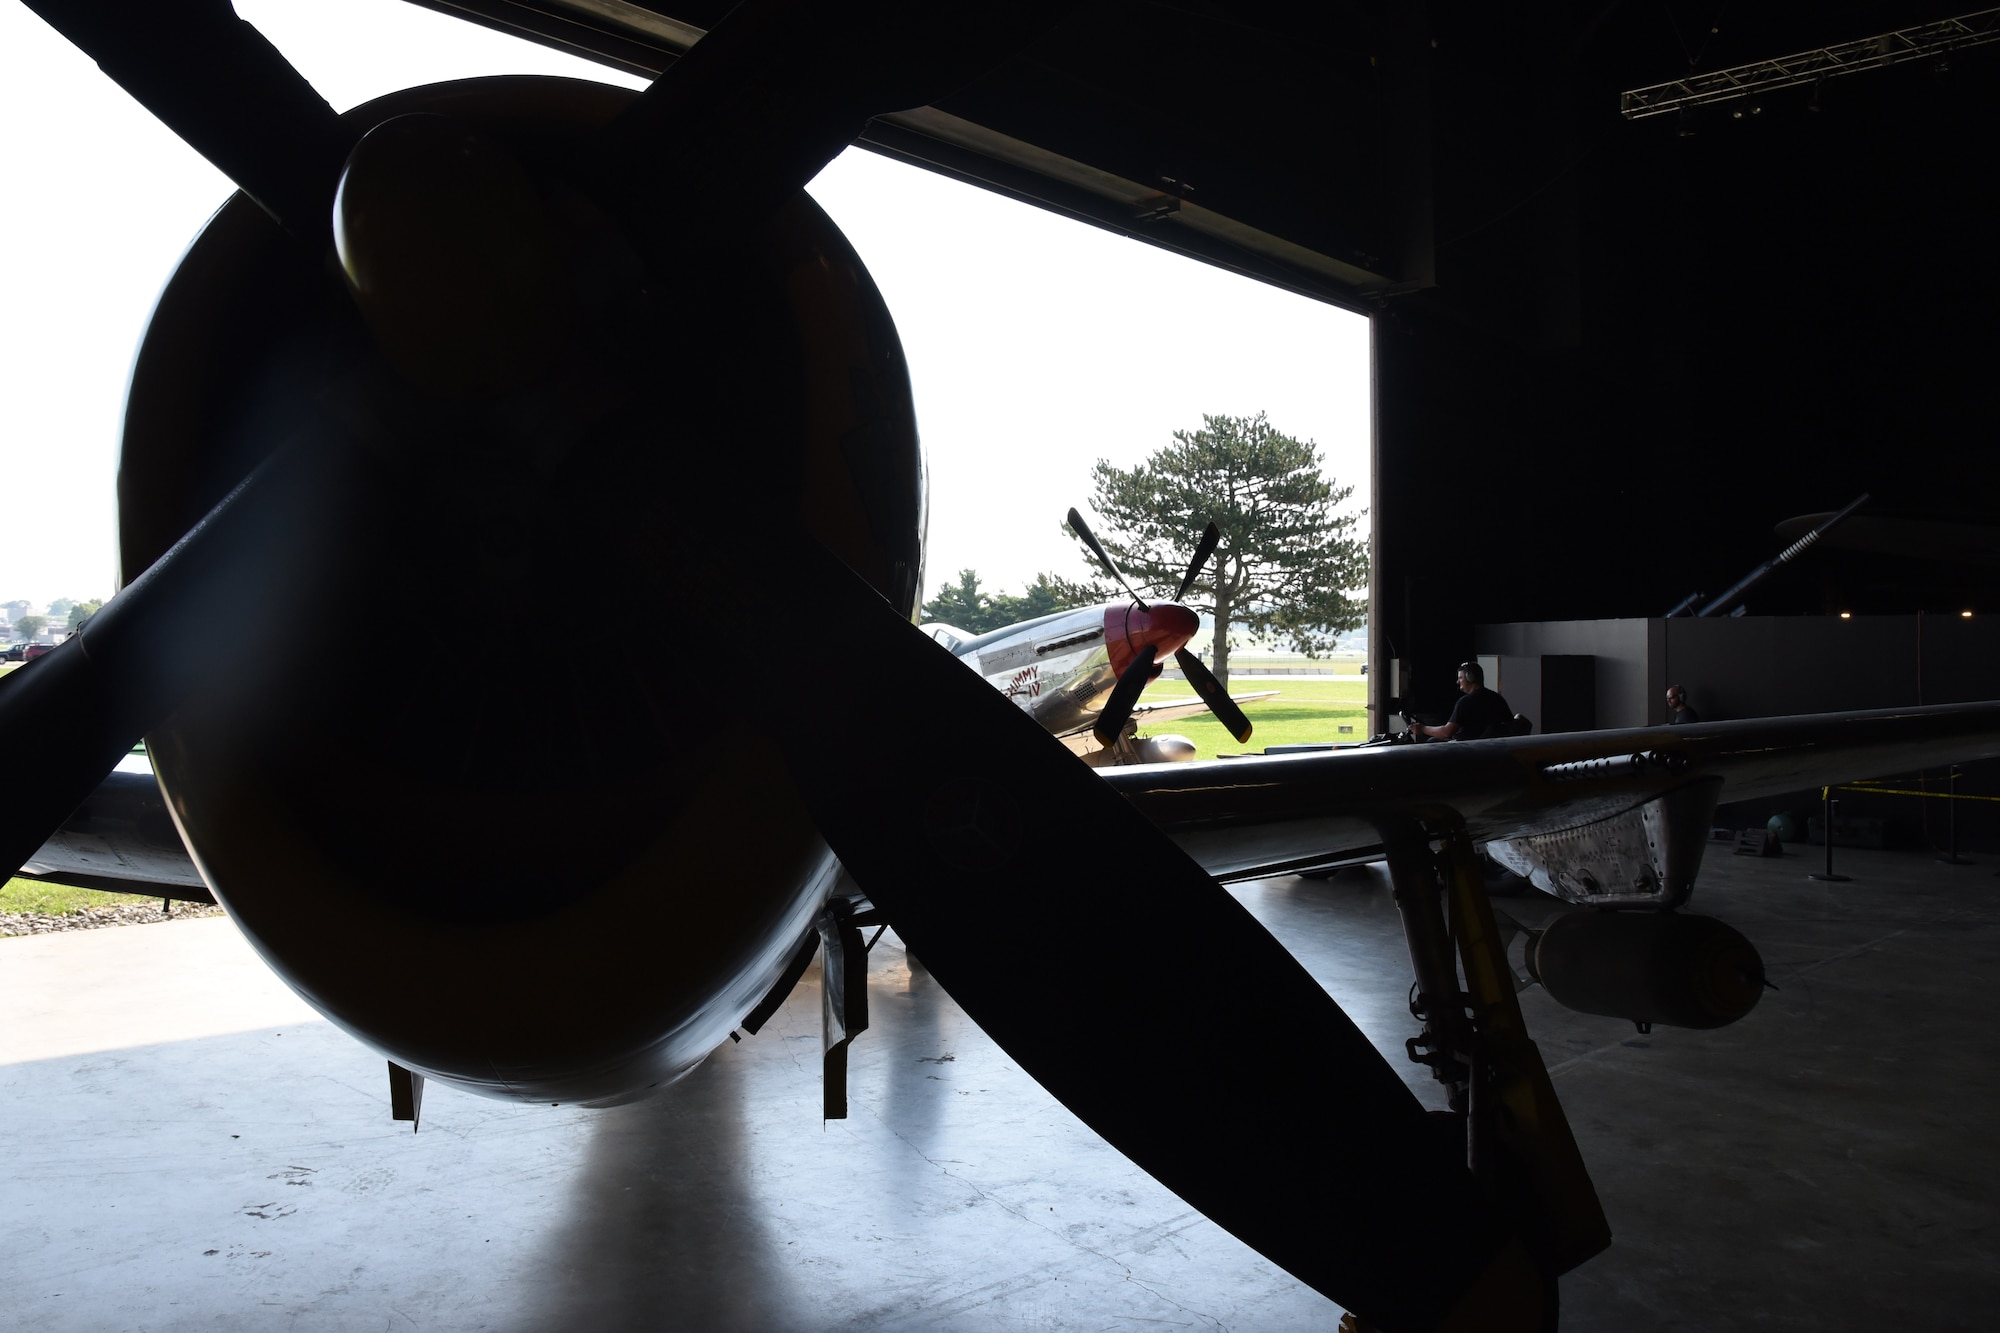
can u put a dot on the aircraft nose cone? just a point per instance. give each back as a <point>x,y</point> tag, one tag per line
<point>1166,625</point>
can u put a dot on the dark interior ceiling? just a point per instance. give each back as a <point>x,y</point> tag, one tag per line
<point>1611,354</point>
<point>1134,116</point>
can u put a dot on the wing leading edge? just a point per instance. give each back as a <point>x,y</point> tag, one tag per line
<point>1246,818</point>
<point>122,839</point>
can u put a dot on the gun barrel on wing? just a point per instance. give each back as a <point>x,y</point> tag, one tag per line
<point>1721,605</point>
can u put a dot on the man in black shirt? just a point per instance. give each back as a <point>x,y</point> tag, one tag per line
<point>1678,712</point>
<point>1479,711</point>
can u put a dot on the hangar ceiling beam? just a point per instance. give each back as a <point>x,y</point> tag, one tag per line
<point>1889,48</point>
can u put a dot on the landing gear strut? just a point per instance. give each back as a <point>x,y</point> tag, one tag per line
<point>1517,1141</point>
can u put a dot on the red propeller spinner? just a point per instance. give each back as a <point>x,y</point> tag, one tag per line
<point>1139,635</point>
<point>1165,626</point>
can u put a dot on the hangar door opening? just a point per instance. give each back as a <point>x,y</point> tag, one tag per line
<point>1038,345</point>
<point>1047,356</point>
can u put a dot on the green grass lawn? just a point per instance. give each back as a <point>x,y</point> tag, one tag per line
<point>1307,708</point>
<point>33,895</point>
<point>1313,689</point>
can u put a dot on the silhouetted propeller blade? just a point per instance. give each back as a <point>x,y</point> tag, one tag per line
<point>1082,529</point>
<point>1203,549</point>
<point>272,543</point>
<point>778,88</point>
<point>213,80</point>
<point>1118,708</point>
<point>1211,692</point>
<point>1155,1008</point>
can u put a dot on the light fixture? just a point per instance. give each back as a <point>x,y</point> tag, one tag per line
<point>1847,615</point>
<point>1965,615</point>
<point>1934,41</point>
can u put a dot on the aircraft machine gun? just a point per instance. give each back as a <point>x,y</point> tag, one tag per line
<point>1737,590</point>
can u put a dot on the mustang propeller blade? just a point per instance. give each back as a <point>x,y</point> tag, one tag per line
<point>1082,529</point>
<point>1124,695</point>
<point>1202,550</point>
<point>1211,692</point>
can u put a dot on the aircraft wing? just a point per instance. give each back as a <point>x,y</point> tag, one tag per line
<point>1268,815</point>
<point>1251,817</point>
<point>1165,710</point>
<point>121,840</point>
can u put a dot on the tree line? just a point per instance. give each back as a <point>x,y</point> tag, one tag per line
<point>64,613</point>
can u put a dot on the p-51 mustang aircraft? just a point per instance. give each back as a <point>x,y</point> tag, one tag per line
<point>1079,673</point>
<point>514,337</point>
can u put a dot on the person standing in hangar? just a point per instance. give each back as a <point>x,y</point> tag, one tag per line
<point>1679,713</point>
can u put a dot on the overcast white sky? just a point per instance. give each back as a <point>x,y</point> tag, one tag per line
<point>1036,345</point>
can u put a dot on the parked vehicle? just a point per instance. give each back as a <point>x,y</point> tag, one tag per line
<point>14,652</point>
<point>29,652</point>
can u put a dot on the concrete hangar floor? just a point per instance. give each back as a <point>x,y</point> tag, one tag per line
<point>183,1145</point>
